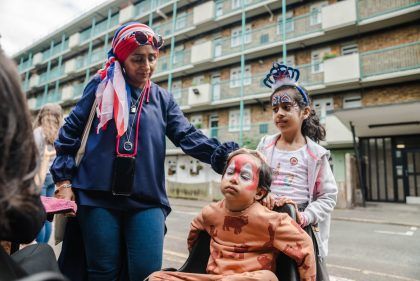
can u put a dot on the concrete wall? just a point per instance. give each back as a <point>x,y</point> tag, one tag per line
<point>339,14</point>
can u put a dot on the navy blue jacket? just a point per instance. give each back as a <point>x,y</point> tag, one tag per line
<point>160,117</point>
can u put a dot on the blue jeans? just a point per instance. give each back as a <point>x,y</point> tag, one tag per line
<point>47,190</point>
<point>111,236</point>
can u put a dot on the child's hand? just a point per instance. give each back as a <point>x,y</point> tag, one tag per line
<point>268,201</point>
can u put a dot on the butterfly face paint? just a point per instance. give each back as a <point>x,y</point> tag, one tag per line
<point>242,172</point>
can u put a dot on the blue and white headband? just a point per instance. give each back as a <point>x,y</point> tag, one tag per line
<point>283,75</point>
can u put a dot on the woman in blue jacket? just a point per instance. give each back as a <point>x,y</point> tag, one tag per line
<point>119,185</point>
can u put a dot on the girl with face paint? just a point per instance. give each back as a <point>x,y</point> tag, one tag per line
<point>302,172</point>
<point>246,236</point>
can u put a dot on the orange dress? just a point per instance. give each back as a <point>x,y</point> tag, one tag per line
<point>244,244</point>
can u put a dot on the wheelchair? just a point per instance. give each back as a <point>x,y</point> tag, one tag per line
<point>286,268</point>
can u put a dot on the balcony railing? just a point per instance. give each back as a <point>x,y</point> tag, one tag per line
<point>373,8</point>
<point>180,58</point>
<point>144,7</point>
<point>251,134</point>
<point>55,73</point>
<point>182,22</point>
<point>62,47</point>
<point>295,27</point>
<point>388,60</point>
<point>226,7</point>
<point>99,28</point>
<point>25,65</point>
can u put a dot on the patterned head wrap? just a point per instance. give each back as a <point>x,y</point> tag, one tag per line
<point>111,93</point>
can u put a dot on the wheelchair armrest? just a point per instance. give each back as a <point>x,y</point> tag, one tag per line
<point>199,255</point>
<point>286,267</point>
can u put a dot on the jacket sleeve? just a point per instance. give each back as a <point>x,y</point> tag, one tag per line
<point>193,142</point>
<point>293,241</point>
<point>25,222</point>
<point>69,136</point>
<point>325,195</point>
<point>197,225</point>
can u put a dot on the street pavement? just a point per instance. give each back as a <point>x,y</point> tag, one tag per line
<point>380,242</point>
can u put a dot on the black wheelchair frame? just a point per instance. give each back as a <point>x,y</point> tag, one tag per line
<point>286,269</point>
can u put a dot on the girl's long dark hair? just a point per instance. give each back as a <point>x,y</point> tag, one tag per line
<point>18,153</point>
<point>311,126</point>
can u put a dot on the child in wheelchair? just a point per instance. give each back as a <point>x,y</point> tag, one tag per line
<point>246,236</point>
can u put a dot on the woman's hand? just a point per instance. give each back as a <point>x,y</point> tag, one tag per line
<point>64,191</point>
<point>268,201</point>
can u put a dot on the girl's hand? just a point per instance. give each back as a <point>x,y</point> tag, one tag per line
<point>64,191</point>
<point>284,200</point>
<point>268,201</point>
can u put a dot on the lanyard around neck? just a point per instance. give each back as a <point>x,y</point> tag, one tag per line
<point>136,141</point>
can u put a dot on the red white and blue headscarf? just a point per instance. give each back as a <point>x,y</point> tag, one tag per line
<point>111,93</point>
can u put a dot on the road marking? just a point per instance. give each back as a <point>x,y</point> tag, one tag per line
<point>407,233</point>
<point>336,278</point>
<point>186,213</point>
<point>176,254</point>
<point>368,272</point>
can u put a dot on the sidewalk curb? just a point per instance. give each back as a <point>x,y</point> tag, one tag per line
<point>375,221</point>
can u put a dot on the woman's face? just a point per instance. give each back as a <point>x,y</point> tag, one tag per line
<point>140,64</point>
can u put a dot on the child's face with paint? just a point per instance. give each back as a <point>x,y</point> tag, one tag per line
<point>287,115</point>
<point>240,181</point>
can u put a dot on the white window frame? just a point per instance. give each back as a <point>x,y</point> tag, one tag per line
<point>315,12</point>
<point>235,4</point>
<point>219,9</point>
<point>322,107</point>
<point>198,80</point>
<point>235,76</point>
<point>176,89</point>
<point>234,120</point>
<point>290,23</point>
<point>349,48</point>
<point>290,60</point>
<point>317,63</point>
<point>235,36</point>
<point>181,21</point>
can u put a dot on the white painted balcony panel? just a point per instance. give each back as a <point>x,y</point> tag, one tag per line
<point>342,69</point>
<point>37,58</point>
<point>67,92</point>
<point>340,14</point>
<point>203,13</point>
<point>32,103</point>
<point>199,94</point>
<point>201,52</point>
<point>74,40</point>
<point>70,66</point>
<point>34,81</point>
<point>126,14</point>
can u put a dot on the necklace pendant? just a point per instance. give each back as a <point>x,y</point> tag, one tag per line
<point>133,109</point>
<point>128,146</point>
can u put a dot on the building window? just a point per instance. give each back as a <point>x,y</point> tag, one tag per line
<point>290,25</point>
<point>181,21</point>
<point>290,60</point>
<point>236,4</point>
<point>197,120</point>
<point>235,76</point>
<point>317,59</point>
<point>316,12</point>
<point>234,120</point>
<point>178,55</point>
<point>235,40</point>
<point>322,107</point>
<point>349,49</point>
<point>352,100</point>
<point>263,128</point>
<point>198,80</point>
<point>219,8</point>
<point>176,90</point>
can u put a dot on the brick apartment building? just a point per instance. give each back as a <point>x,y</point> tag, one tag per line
<point>359,59</point>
